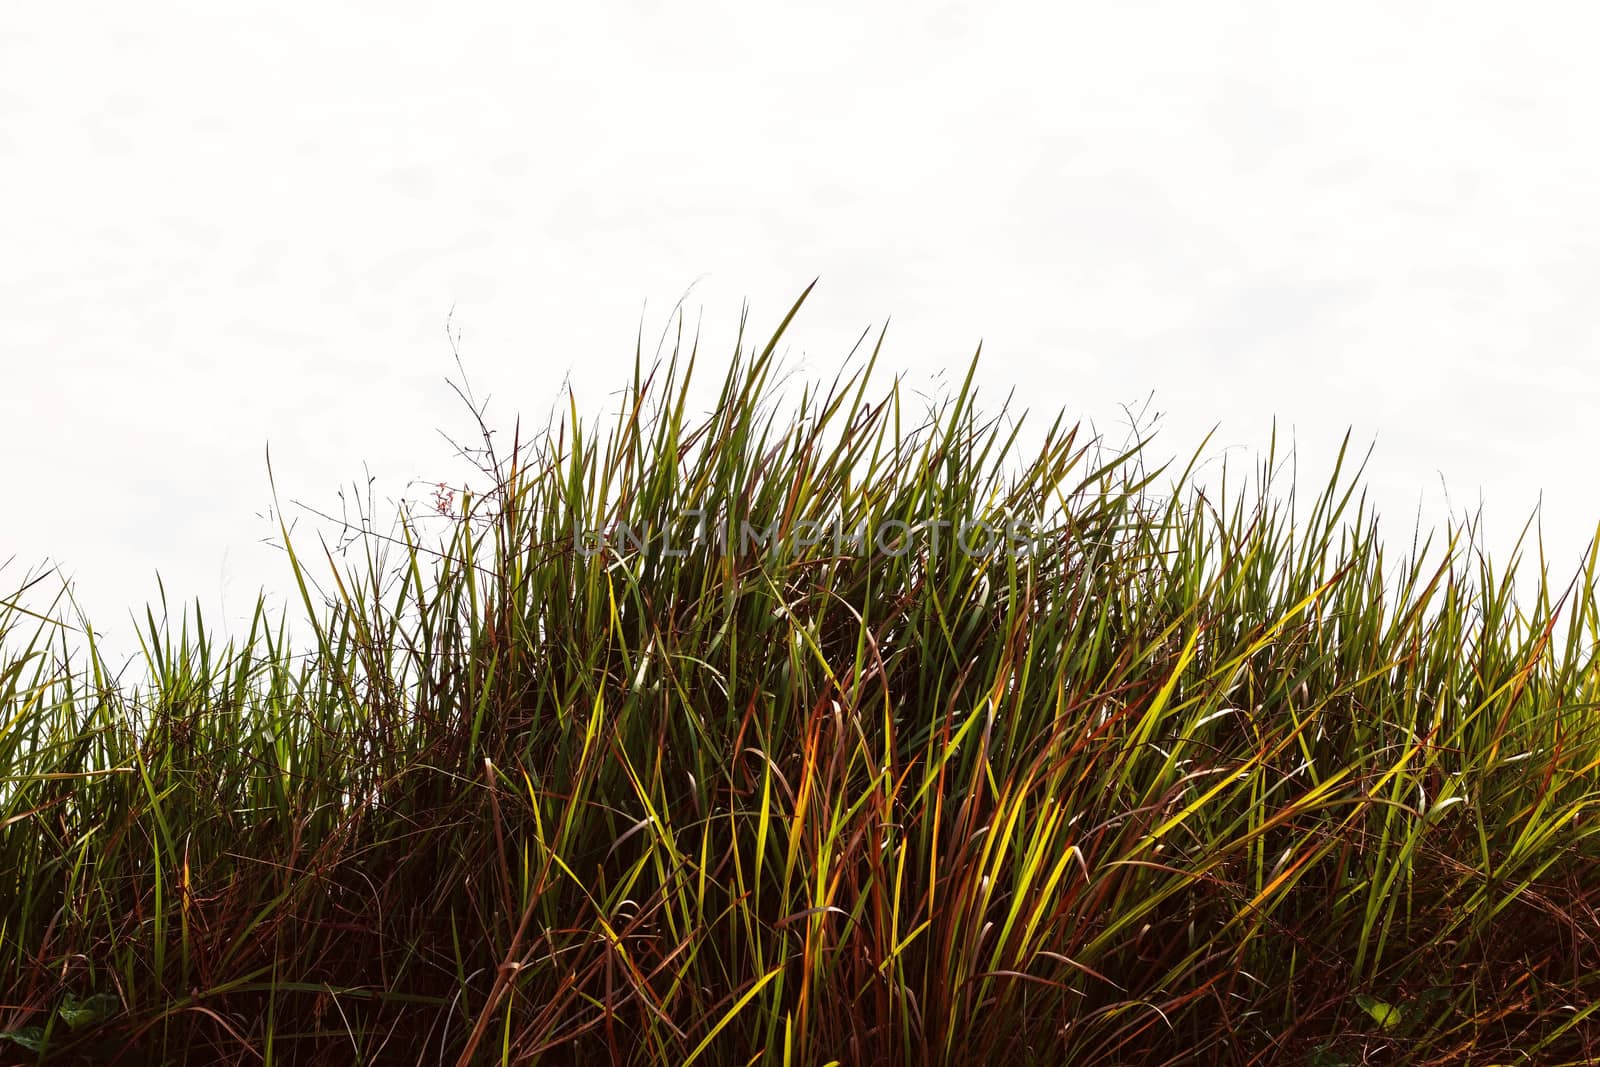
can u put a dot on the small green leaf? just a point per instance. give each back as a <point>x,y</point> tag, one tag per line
<point>1384,1014</point>
<point>77,1013</point>
<point>29,1037</point>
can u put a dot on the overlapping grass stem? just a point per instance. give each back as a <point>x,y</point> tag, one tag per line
<point>1203,775</point>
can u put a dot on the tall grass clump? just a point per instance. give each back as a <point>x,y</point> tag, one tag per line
<point>741,738</point>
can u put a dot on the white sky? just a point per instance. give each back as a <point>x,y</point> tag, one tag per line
<point>224,225</point>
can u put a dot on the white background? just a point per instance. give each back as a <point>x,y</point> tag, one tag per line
<point>229,225</point>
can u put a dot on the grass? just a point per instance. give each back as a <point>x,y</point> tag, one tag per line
<point>1206,776</point>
